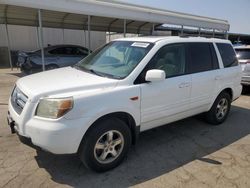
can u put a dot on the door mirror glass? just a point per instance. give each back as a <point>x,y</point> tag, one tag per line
<point>155,75</point>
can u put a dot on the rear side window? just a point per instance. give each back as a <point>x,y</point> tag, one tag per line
<point>227,54</point>
<point>199,57</point>
<point>57,51</point>
<point>80,51</point>
<point>63,51</point>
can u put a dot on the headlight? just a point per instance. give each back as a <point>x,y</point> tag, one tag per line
<point>54,107</point>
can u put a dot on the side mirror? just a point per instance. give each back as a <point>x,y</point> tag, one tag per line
<point>155,75</point>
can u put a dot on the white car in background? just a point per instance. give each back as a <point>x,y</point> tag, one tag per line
<point>243,54</point>
<point>99,107</point>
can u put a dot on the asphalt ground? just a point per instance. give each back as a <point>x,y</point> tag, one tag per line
<point>187,153</point>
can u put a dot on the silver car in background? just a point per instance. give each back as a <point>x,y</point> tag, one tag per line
<point>55,57</point>
<point>243,54</point>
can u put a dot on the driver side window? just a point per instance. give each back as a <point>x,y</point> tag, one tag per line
<point>171,59</point>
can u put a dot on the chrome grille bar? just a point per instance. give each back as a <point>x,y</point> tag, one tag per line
<point>18,100</point>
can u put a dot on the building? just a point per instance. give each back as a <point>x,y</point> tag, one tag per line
<point>53,21</point>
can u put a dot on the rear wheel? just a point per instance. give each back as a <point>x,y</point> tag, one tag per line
<point>105,145</point>
<point>220,109</point>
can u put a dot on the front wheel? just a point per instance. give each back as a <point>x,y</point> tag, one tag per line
<point>220,109</point>
<point>105,145</point>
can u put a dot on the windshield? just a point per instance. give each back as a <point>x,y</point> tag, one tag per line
<point>116,59</point>
<point>243,53</point>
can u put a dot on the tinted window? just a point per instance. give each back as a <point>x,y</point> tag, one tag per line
<point>80,51</point>
<point>243,53</point>
<point>63,51</point>
<point>199,57</point>
<point>57,51</point>
<point>227,54</point>
<point>69,51</point>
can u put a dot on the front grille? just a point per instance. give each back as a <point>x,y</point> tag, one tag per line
<point>18,100</point>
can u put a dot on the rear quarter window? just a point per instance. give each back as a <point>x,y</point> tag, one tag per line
<point>227,54</point>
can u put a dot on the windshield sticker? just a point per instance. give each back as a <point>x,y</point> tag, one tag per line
<point>140,44</point>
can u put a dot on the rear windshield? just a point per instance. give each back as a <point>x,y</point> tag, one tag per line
<point>243,53</point>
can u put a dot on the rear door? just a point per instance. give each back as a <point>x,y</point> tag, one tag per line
<point>203,67</point>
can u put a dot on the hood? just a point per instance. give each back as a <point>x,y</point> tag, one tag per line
<point>61,81</point>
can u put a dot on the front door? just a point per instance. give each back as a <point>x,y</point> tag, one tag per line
<point>166,101</point>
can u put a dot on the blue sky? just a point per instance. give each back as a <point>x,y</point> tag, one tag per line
<point>237,12</point>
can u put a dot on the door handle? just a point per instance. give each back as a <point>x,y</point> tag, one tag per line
<point>184,84</point>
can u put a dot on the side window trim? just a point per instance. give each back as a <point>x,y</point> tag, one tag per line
<point>215,61</point>
<point>221,66</point>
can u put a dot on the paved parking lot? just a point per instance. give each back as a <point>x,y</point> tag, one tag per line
<point>188,153</point>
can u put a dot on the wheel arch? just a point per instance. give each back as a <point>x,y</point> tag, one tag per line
<point>227,90</point>
<point>123,116</point>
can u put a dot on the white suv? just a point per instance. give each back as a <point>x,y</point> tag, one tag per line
<point>243,54</point>
<point>98,108</point>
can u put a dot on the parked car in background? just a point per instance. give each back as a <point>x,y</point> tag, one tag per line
<point>243,54</point>
<point>98,107</point>
<point>55,57</point>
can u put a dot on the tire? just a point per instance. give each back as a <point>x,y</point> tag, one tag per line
<point>220,109</point>
<point>103,158</point>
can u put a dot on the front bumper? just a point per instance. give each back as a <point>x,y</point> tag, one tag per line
<point>61,136</point>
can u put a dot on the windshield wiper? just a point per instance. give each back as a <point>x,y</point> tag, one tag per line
<point>96,72</point>
<point>77,67</point>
